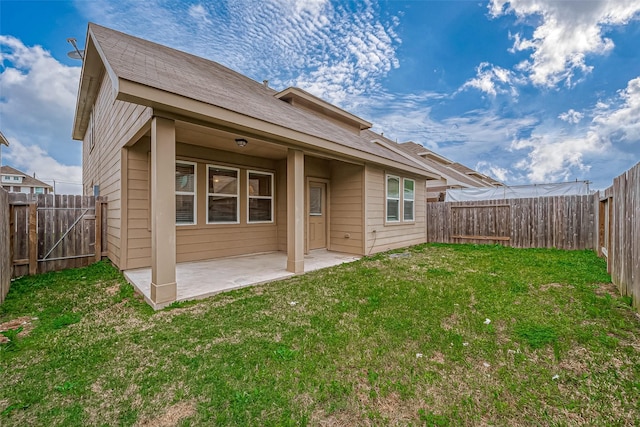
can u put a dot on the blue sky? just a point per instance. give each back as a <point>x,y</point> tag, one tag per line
<point>528,91</point>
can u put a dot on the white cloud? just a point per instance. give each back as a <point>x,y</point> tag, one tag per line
<point>500,173</point>
<point>555,155</point>
<point>622,123</point>
<point>32,159</point>
<point>476,136</point>
<point>492,80</point>
<point>566,32</point>
<point>571,116</point>
<point>199,14</point>
<point>37,105</point>
<point>333,50</point>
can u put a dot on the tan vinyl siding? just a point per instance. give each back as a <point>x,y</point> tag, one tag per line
<point>216,241</point>
<point>114,123</point>
<point>346,216</point>
<point>317,168</point>
<point>204,241</point>
<point>138,203</point>
<point>396,235</point>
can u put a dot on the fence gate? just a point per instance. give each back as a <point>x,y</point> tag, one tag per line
<point>54,232</point>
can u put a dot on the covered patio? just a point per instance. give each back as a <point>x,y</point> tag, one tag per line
<point>201,279</point>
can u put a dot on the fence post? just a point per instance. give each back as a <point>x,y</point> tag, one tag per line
<point>98,223</point>
<point>12,237</point>
<point>33,239</point>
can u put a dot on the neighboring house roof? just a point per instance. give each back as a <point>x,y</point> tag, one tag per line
<point>157,76</point>
<point>3,140</point>
<point>474,174</point>
<point>456,173</point>
<point>27,181</point>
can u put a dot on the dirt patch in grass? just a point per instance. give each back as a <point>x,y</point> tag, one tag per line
<point>576,361</point>
<point>24,322</point>
<point>602,289</point>
<point>437,357</point>
<point>112,290</point>
<point>171,416</point>
<point>548,286</point>
<point>341,419</point>
<point>449,323</point>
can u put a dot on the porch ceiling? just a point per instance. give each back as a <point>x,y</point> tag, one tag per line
<point>204,136</point>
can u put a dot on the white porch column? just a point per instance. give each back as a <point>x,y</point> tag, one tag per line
<point>163,211</point>
<point>295,211</point>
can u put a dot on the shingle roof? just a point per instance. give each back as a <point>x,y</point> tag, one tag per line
<point>3,140</point>
<point>468,171</point>
<point>27,181</point>
<point>160,67</point>
<point>455,170</point>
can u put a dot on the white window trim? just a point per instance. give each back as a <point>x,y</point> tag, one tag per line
<point>271,197</point>
<point>187,193</point>
<point>237,195</point>
<point>413,213</point>
<point>387,198</point>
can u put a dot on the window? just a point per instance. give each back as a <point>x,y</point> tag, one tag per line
<point>39,190</point>
<point>315,201</point>
<point>400,199</point>
<point>409,198</point>
<point>222,195</point>
<point>260,194</point>
<point>185,193</point>
<point>393,198</point>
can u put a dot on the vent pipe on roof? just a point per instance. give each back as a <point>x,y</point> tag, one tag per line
<point>265,83</point>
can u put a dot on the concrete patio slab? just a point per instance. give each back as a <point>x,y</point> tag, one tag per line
<point>202,279</point>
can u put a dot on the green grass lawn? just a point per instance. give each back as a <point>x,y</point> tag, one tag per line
<point>387,340</point>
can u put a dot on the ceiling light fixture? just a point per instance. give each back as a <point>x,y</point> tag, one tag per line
<point>241,142</point>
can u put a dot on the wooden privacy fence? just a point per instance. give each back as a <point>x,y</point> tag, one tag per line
<point>619,232</point>
<point>53,232</point>
<point>566,222</point>
<point>5,260</point>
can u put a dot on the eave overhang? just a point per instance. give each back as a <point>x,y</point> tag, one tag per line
<point>3,140</point>
<point>94,66</point>
<point>188,109</point>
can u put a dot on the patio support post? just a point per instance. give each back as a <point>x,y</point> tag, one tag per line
<point>163,211</point>
<point>295,211</point>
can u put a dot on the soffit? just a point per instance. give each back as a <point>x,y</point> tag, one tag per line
<point>203,136</point>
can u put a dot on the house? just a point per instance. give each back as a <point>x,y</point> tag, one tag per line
<point>453,175</point>
<point>3,141</point>
<point>15,181</point>
<point>199,162</point>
